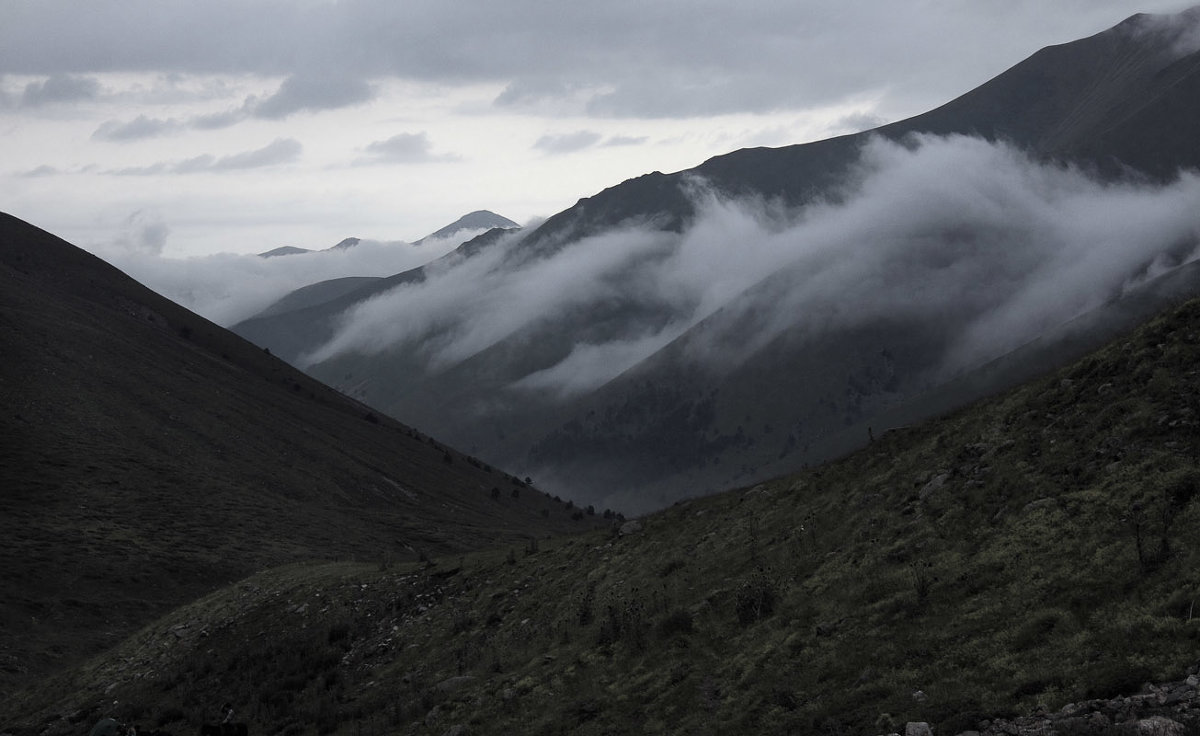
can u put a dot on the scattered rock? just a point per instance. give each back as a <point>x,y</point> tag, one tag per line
<point>937,482</point>
<point>1040,503</point>
<point>633,526</point>
<point>1160,726</point>
<point>452,684</point>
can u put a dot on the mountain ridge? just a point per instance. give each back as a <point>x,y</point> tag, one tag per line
<point>1075,107</point>
<point>136,430</point>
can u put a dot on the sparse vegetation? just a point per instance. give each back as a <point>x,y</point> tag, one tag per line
<point>991,561</point>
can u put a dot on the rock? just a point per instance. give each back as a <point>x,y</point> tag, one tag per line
<point>937,482</point>
<point>633,526</point>
<point>433,716</point>
<point>457,730</point>
<point>1040,503</point>
<point>917,728</point>
<point>919,696</point>
<point>1159,726</point>
<point>453,684</point>
<point>1192,681</point>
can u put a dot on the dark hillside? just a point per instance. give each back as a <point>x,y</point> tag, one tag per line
<point>1035,553</point>
<point>148,456</point>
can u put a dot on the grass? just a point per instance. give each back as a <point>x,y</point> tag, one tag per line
<point>988,560</point>
<point>148,457</point>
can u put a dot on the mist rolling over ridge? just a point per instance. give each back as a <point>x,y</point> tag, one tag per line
<point>678,333</point>
<point>977,239</point>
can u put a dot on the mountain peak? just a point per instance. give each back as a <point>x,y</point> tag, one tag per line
<point>346,244</point>
<point>477,220</point>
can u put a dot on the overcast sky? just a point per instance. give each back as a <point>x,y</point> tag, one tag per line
<point>180,127</point>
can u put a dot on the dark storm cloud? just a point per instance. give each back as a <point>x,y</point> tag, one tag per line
<point>279,151</point>
<point>619,58</point>
<point>60,88</point>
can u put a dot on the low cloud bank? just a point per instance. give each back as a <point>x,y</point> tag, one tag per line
<point>957,231</point>
<point>228,288</point>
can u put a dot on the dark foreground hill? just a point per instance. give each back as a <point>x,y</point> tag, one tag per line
<point>1024,554</point>
<point>148,456</point>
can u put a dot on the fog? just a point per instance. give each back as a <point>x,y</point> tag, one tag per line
<point>228,287</point>
<point>975,235</point>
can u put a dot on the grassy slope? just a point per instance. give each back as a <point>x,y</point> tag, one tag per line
<point>988,559</point>
<point>148,456</point>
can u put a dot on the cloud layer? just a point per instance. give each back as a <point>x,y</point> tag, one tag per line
<point>954,231</point>
<point>707,57</point>
<point>228,288</point>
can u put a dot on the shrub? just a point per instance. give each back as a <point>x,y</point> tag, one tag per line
<point>679,622</point>
<point>756,597</point>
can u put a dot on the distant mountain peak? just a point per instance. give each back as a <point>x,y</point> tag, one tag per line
<point>346,244</point>
<point>477,220</point>
<point>283,250</point>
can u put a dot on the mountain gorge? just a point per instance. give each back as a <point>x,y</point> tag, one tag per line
<point>330,522</point>
<point>148,456</point>
<point>679,333</point>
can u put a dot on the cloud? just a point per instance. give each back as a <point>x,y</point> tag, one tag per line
<point>278,152</point>
<point>1181,30</point>
<point>624,140</point>
<point>477,302</point>
<point>143,233</point>
<point>312,93</point>
<point>218,120</point>
<point>60,88</point>
<point>857,122</point>
<point>976,238</point>
<point>705,58</point>
<point>137,129</point>
<point>561,143</point>
<point>404,148</point>
<point>39,171</point>
<point>228,288</point>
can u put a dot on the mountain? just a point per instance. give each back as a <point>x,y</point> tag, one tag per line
<point>284,250</point>
<point>1028,564</point>
<point>291,250</point>
<point>148,456</point>
<point>472,221</point>
<point>345,244</point>
<point>1113,101</point>
<point>919,251</point>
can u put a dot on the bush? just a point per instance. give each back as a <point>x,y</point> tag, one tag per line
<point>756,597</point>
<point>679,622</point>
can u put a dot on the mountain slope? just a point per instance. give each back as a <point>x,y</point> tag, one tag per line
<point>1034,550</point>
<point>611,378</point>
<point>1114,101</point>
<point>147,455</point>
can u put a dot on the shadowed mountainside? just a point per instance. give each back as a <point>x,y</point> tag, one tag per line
<point>1034,550</point>
<point>148,456</point>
